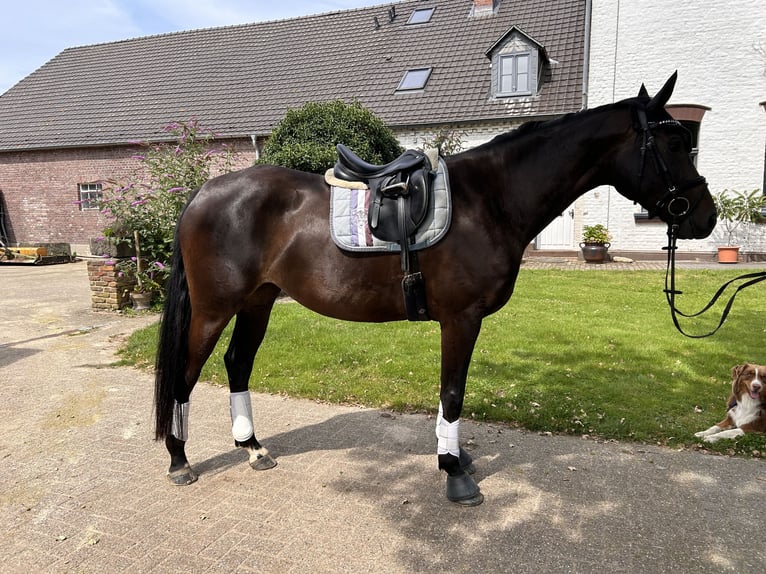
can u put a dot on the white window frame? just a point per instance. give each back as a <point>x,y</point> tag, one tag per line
<point>89,195</point>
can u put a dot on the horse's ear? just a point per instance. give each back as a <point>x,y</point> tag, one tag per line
<point>661,98</point>
<point>642,93</point>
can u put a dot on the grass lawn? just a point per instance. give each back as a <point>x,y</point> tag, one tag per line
<point>581,352</point>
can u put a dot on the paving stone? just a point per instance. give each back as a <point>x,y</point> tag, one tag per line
<point>82,485</point>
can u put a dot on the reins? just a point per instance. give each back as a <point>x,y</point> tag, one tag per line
<point>679,207</point>
<point>671,291</point>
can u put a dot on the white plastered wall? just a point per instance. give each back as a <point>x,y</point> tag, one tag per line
<point>719,50</point>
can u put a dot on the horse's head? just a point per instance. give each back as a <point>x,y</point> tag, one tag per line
<point>662,176</point>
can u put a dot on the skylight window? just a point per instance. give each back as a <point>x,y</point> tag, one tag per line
<point>414,79</point>
<point>421,15</point>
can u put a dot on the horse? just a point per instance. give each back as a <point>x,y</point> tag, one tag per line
<point>246,236</point>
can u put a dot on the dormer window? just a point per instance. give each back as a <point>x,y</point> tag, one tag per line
<point>414,79</point>
<point>514,74</point>
<point>517,65</point>
<point>421,15</point>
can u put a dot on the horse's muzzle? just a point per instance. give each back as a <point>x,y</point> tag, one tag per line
<point>697,226</point>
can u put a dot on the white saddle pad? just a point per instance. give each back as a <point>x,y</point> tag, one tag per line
<point>351,232</point>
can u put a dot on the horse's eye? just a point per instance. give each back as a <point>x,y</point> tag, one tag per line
<point>675,144</point>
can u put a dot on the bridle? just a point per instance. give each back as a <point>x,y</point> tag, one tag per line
<point>679,207</point>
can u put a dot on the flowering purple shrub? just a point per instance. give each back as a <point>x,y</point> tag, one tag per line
<point>151,201</point>
<point>151,277</point>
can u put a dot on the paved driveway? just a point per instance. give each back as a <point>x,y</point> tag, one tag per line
<point>82,485</point>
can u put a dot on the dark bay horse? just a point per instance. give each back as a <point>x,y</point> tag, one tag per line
<point>247,235</point>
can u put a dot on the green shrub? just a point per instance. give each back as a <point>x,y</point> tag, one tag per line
<point>737,209</point>
<point>306,137</point>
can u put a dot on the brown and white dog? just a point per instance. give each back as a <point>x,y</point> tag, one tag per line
<point>747,405</point>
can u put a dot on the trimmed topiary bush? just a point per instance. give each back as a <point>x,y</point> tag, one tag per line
<point>306,137</point>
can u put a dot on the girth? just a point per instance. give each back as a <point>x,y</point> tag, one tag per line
<point>401,192</point>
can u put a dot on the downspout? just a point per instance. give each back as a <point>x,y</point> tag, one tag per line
<point>614,97</point>
<point>585,83</point>
<point>254,140</point>
<point>586,54</point>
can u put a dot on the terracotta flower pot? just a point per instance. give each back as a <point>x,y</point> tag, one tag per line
<point>728,253</point>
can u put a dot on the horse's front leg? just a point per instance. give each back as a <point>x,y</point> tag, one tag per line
<point>458,338</point>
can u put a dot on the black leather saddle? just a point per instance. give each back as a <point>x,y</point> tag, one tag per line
<point>350,167</point>
<point>400,191</point>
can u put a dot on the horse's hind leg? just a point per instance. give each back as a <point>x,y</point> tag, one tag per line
<point>249,331</point>
<point>204,333</point>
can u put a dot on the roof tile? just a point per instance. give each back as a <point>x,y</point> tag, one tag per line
<point>240,80</point>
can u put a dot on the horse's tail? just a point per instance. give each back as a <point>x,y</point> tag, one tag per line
<point>173,346</point>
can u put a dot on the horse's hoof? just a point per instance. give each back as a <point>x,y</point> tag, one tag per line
<point>182,476</point>
<point>473,501</point>
<point>262,462</point>
<point>463,490</point>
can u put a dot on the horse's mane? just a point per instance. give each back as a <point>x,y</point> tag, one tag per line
<point>533,126</point>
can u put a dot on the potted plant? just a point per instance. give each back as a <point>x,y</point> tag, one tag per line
<point>595,243</point>
<point>147,279</point>
<point>737,210</point>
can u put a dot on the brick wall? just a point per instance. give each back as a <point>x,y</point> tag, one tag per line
<point>108,287</point>
<point>471,135</point>
<point>41,189</point>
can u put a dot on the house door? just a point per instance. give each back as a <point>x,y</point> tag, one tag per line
<point>559,234</point>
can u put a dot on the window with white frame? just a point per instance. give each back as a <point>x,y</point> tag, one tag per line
<point>519,64</point>
<point>90,195</point>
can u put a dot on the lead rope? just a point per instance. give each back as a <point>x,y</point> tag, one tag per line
<point>671,291</point>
